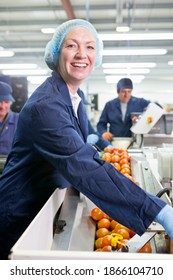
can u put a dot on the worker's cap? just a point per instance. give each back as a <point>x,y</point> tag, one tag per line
<point>124,83</point>
<point>6,92</point>
<point>54,45</point>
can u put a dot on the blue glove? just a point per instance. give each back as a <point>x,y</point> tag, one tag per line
<point>165,218</point>
<point>92,139</point>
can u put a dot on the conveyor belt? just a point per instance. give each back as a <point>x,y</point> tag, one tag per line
<point>78,235</point>
<point>79,231</point>
<point>62,237</point>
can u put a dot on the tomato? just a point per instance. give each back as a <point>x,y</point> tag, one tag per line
<point>115,158</point>
<point>108,150</point>
<point>125,155</point>
<point>101,232</point>
<point>115,152</point>
<point>121,150</point>
<point>124,233</point>
<point>116,149</point>
<point>103,223</point>
<point>107,157</point>
<point>96,214</point>
<point>98,250</point>
<point>113,224</point>
<point>120,226</point>
<point>125,165</point>
<point>123,160</point>
<point>107,248</point>
<point>99,242</point>
<point>125,170</point>
<point>117,166</point>
<point>146,248</point>
<point>106,240</point>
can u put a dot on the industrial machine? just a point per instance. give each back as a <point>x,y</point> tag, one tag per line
<point>152,127</point>
<point>64,229</point>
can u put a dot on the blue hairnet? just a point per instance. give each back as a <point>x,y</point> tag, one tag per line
<point>124,83</point>
<point>54,45</point>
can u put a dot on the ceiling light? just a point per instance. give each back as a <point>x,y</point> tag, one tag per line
<point>18,66</point>
<point>48,30</point>
<point>136,36</point>
<point>129,65</point>
<point>25,72</point>
<point>4,53</point>
<point>135,52</point>
<point>113,79</point>
<point>122,28</point>
<point>170,62</point>
<point>127,71</point>
<point>27,50</point>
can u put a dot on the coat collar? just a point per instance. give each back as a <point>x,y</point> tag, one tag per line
<point>64,92</point>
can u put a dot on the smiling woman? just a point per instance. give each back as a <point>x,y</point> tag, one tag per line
<point>78,55</point>
<point>54,45</point>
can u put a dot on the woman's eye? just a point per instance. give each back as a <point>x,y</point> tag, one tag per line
<point>71,46</point>
<point>91,47</point>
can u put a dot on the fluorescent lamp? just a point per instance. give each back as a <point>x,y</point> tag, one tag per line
<point>18,66</point>
<point>27,50</point>
<point>135,52</point>
<point>127,71</point>
<point>48,30</point>
<point>129,65</point>
<point>4,53</point>
<point>25,72</point>
<point>170,62</point>
<point>113,79</point>
<point>136,36</point>
<point>122,28</point>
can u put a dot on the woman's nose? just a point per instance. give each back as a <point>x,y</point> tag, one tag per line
<point>81,52</point>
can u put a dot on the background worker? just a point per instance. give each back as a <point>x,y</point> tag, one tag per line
<point>8,119</point>
<point>50,150</point>
<point>115,119</point>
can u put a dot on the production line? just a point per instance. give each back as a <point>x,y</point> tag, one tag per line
<point>64,229</point>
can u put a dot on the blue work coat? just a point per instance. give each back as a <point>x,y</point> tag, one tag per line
<point>50,151</point>
<point>7,134</point>
<point>112,116</point>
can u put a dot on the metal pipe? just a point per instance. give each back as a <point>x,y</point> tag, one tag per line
<point>68,8</point>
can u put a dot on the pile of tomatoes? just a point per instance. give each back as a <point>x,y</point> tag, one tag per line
<point>120,159</point>
<point>105,227</point>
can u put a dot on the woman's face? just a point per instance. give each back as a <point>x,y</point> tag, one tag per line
<point>77,56</point>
